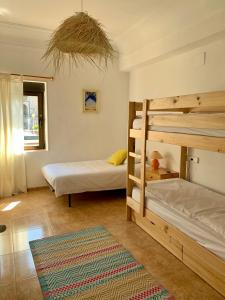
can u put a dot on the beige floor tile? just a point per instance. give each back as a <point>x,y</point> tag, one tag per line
<point>7,271</point>
<point>8,292</point>
<point>21,239</point>
<point>24,265</point>
<point>23,211</point>
<point>6,246</point>
<point>29,222</point>
<point>71,227</point>
<point>28,289</point>
<point>61,218</point>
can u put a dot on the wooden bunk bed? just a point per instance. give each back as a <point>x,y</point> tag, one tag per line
<point>202,261</point>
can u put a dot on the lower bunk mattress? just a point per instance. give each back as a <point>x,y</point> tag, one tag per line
<point>193,209</point>
<point>84,176</point>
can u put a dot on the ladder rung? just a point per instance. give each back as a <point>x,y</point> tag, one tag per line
<point>135,179</point>
<point>133,204</point>
<point>135,155</point>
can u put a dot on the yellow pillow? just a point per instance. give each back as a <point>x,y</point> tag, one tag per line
<point>118,157</point>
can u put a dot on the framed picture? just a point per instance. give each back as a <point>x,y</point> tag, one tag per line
<point>90,101</point>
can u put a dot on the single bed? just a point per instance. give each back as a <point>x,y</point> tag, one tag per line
<point>84,176</point>
<point>195,210</point>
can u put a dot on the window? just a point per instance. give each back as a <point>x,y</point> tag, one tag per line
<point>33,115</point>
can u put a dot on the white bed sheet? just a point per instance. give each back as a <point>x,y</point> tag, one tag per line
<point>137,124</point>
<point>84,176</point>
<point>165,200</point>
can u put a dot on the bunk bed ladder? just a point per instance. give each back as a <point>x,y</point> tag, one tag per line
<point>130,159</point>
<point>131,178</point>
<point>143,156</point>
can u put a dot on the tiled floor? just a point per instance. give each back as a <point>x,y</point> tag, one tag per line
<point>39,214</point>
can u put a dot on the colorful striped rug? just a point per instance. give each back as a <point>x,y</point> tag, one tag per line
<point>91,264</point>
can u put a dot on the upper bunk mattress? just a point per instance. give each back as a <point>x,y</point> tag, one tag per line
<point>137,124</point>
<point>195,210</point>
<point>84,176</point>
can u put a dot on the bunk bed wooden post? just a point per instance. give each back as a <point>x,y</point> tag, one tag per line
<point>69,200</point>
<point>183,162</point>
<point>130,159</point>
<point>183,156</point>
<point>143,156</point>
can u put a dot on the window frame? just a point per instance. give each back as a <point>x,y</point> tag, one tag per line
<point>41,120</point>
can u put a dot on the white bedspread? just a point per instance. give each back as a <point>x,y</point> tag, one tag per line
<point>192,200</point>
<point>193,209</point>
<point>84,176</point>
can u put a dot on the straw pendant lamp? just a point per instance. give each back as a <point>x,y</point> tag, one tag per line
<point>80,37</point>
<point>155,155</point>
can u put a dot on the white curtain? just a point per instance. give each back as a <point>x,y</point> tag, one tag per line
<point>12,163</point>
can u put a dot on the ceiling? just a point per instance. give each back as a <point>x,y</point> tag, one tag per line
<point>117,16</point>
<point>133,25</point>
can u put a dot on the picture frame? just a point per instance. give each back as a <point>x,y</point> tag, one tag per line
<point>90,100</point>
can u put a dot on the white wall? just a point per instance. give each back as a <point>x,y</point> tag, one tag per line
<point>173,27</point>
<point>185,74</point>
<point>72,134</point>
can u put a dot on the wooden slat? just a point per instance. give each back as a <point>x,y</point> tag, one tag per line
<point>215,144</point>
<point>212,99</point>
<point>135,133</point>
<point>195,120</point>
<point>211,109</point>
<point>135,155</point>
<point>173,246</point>
<point>143,157</point>
<point>133,204</point>
<point>135,179</point>
<point>202,268</point>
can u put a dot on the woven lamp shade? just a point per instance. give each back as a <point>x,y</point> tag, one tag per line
<point>156,155</point>
<point>80,37</point>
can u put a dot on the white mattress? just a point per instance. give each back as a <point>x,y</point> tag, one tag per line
<point>84,176</point>
<point>137,124</point>
<point>195,210</point>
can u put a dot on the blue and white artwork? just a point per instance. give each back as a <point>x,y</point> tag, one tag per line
<point>90,101</point>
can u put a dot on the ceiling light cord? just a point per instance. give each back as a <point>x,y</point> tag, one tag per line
<point>82,5</point>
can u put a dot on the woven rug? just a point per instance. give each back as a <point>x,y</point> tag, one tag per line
<point>91,264</point>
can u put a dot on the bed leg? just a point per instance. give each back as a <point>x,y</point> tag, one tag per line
<point>69,198</point>
<point>129,211</point>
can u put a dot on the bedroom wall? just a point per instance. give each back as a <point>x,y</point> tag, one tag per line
<point>72,134</point>
<point>199,70</point>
